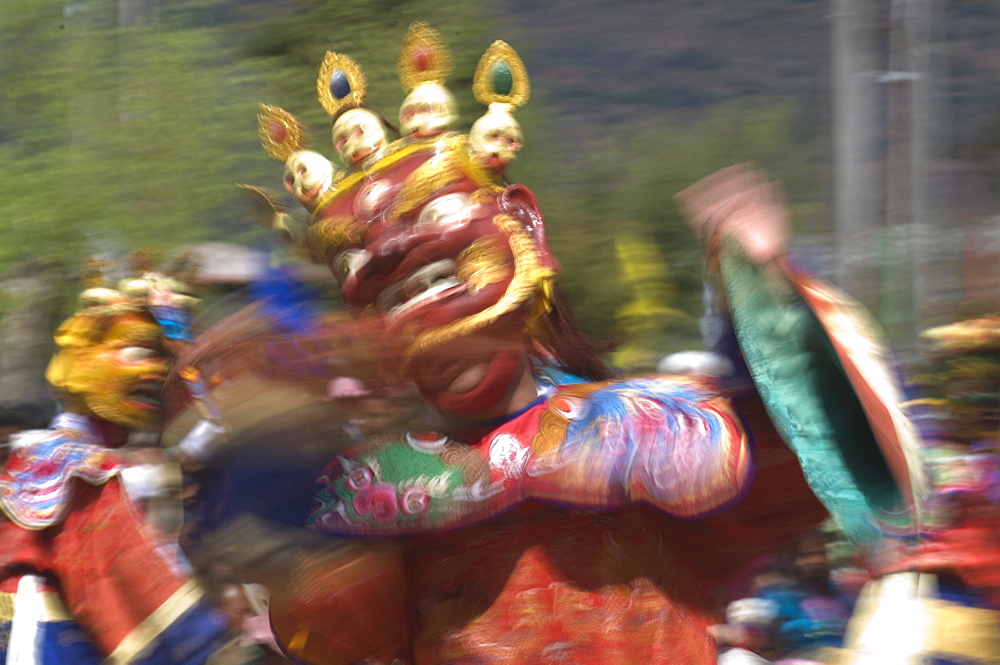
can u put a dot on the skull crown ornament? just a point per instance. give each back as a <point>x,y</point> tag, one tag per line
<point>423,230</point>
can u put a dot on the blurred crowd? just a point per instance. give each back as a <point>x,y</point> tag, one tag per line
<point>795,606</point>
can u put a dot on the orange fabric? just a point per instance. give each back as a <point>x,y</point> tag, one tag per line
<point>110,574</point>
<point>547,585</point>
<point>342,606</point>
<point>543,583</point>
<point>968,548</point>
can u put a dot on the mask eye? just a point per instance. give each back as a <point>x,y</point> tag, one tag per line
<point>137,354</point>
<point>348,263</point>
<point>447,210</point>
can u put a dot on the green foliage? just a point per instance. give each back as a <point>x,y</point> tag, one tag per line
<point>633,173</point>
<point>292,47</point>
<point>113,137</point>
<point>116,137</point>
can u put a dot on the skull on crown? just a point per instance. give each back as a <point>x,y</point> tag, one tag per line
<point>427,111</point>
<point>308,175</point>
<point>496,138</point>
<point>448,262</point>
<point>357,135</point>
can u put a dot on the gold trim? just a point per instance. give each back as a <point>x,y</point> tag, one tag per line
<point>482,80</point>
<point>335,232</point>
<point>355,77</point>
<point>449,164</point>
<point>481,264</point>
<point>528,275</point>
<point>152,626</point>
<point>295,139</point>
<point>437,172</point>
<point>969,632</point>
<point>6,606</point>
<point>53,607</point>
<point>483,195</point>
<point>421,35</point>
<point>455,144</point>
<point>354,178</point>
<point>450,158</point>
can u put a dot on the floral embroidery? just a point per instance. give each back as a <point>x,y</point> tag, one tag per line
<point>414,481</point>
<point>379,500</point>
<point>415,500</point>
<point>674,443</point>
<point>36,487</point>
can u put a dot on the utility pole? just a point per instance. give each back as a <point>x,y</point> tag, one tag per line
<point>896,301</point>
<point>857,153</point>
<point>922,275</point>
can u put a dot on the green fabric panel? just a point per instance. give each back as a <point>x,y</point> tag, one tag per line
<point>809,398</point>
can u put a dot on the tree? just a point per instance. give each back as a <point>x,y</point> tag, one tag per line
<point>622,184</point>
<point>127,123</point>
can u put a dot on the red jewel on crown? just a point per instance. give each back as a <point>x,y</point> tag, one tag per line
<point>277,131</point>
<point>423,58</point>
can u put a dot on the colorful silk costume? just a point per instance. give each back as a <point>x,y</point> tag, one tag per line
<point>84,577</point>
<point>569,520</point>
<point>105,579</point>
<point>540,579</point>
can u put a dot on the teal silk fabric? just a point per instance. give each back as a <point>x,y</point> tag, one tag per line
<point>810,400</point>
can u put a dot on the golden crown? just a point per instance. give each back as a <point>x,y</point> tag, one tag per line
<point>362,139</point>
<point>167,296</point>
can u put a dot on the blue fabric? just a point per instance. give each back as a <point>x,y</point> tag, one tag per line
<point>809,622</point>
<point>285,300</point>
<point>57,643</point>
<point>4,638</point>
<point>174,321</point>
<point>953,590</point>
<point>552,375</point>
<point>190,640</point>
<point>283,495</point>
<point>630,433</point>
<point>65,643</point>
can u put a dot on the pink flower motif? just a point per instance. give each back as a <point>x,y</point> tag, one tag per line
<point>415,500</point>
<point>378,500</point>
<point>360,478</point>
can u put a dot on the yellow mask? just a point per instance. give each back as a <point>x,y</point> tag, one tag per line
<point>111,367</point>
